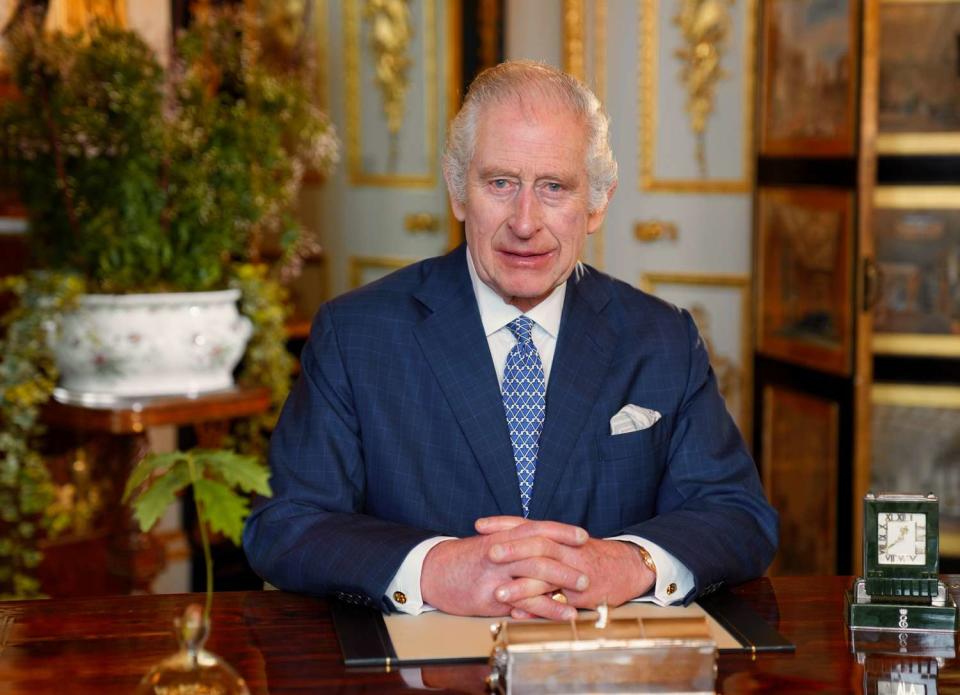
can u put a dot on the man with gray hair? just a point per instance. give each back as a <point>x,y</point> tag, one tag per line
<point>504,430</point>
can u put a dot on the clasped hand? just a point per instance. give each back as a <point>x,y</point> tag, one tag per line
<point>514,565</point>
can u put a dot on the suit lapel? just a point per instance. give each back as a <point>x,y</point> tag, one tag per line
<point>584,351</point>
<point>454,344</point>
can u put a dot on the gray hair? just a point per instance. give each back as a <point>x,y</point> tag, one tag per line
<point>519,79</point>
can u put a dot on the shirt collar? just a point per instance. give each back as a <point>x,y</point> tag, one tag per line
<point>495,313</point>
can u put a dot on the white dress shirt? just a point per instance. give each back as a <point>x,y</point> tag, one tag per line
<point>674,580</point>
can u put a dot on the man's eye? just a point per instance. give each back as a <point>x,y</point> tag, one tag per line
<point>500,183</point>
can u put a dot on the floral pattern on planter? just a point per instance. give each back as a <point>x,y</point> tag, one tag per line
<point>151,344</point>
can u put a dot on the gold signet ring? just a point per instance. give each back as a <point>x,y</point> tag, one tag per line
<point>559,597</point>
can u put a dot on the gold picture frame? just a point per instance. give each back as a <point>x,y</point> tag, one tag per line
<point>805,276</point>
<point>915,447</point>
<point>919,93</point>
<point>735,381</point>
<point>650,125</point>
<point>917,246</point>
<point>356,265</point>
<point>808,94</point>
<point>353,48</point>
<point>584,57</point>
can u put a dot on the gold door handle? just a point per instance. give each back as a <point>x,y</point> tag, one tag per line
<point>649,231</point>
<point>417,222</point>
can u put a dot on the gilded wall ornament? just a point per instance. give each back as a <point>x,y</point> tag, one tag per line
<point>71,16</point>
<point>729,376</point>
<point>706,26</point>
<point>391,31</point>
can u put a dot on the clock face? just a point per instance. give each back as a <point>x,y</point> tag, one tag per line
<point>901,538</point>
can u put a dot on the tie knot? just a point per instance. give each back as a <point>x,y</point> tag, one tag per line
<point>522,329</point>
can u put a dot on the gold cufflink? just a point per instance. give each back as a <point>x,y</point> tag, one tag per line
<point>671,588</point>
<point>399,597</point>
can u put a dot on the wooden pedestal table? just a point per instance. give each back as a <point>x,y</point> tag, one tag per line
<point>91,449</point>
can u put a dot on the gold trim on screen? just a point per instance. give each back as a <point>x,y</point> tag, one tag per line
<point>916,395</point>
<point>934,197</point>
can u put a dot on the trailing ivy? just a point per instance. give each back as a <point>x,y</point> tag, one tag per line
<point>28,375</point>
<point>140,179</point>
<point>267,362</point>
<point>29,508</point>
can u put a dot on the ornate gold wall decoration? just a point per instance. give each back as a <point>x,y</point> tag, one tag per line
<point>574,53</point>
<point>725,369</point>
<point>734,372</point>
<point>584,57</point>
<point>706,27</point>
<point>652,34</point>
<point>649,231</point>
<point>293,36</point>
<point>366,167</point>
<point>71,16</point>
<point>390,34</point>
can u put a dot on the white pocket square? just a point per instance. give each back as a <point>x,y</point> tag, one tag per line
<point>633,418</point>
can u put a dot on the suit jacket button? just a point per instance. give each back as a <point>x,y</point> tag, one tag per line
<point>671,589</point>
<point>399,597</point>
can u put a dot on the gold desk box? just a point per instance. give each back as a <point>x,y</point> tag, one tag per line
<point>627,655</point>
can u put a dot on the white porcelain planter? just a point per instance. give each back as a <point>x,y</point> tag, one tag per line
<point>139,345</point>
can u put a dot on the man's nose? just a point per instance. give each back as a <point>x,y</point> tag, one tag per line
<point>527,213</point>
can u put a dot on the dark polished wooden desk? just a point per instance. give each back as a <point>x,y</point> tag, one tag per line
<point>282,643</point>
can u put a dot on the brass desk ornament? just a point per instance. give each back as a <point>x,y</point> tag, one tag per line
<point>603,655</point>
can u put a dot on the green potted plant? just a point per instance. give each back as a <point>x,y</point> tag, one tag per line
<point>220,481</point>
<point>139,181</point>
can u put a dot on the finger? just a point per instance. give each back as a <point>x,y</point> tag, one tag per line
<point>520,614</point>
<point>494,524</point>
<point>521,589</point>
<point>547,571</point>
<point>566,534</point>
<point>506,550</point>
<point>546,607</point>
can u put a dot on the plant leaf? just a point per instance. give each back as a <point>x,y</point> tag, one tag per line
<point>147,465</point>
<point>158,494</point>
<point>237,470</point>
<point>222,509</point>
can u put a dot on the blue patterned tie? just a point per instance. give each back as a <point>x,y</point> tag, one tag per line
<point>524,399</point>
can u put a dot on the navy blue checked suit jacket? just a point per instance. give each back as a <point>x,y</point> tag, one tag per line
<point>395,432</point>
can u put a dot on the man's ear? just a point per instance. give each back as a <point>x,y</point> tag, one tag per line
<point>595,218</point>
<point>459,209</point>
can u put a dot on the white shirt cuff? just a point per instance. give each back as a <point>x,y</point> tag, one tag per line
<point>670,573</point>
<point>407,579</point>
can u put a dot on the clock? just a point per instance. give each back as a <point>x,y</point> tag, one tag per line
<point>902,538</point>
<point>900,588</point>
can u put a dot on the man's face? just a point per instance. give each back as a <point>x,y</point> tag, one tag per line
<point>527,198</point>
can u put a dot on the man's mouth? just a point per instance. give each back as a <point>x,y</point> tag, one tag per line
<point>521,255</point>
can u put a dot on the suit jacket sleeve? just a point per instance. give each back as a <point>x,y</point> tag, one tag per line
<point>309,537</point>
<point>711,513</point>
